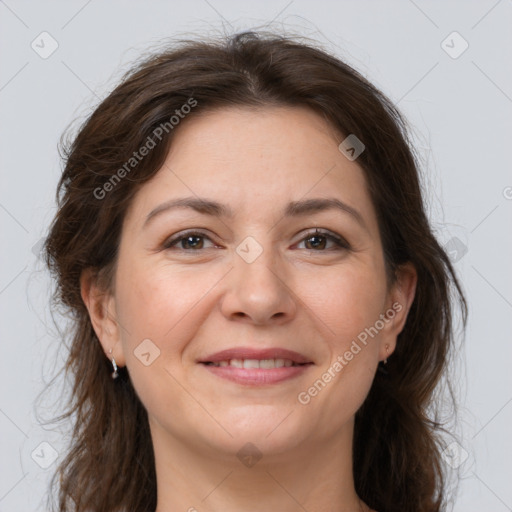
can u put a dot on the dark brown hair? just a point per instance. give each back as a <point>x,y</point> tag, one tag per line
<point>397,443</point>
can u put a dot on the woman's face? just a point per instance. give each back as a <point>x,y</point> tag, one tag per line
<point>249,275</point>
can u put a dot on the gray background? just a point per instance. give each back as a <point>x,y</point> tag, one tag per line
<point>460,109</point>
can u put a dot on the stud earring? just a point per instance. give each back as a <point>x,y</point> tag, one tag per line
<point>115,374</point>
<point>387,350</point>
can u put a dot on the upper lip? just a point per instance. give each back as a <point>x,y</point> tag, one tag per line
<point>254,353</point>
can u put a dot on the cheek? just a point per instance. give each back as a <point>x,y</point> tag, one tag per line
<point>341,384</point>
<point>163,303</point>
<point>348,301</point>
<point>152,300</point>
<point>350,304</point>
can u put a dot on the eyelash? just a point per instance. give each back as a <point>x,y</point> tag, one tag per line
<point>340,242</point>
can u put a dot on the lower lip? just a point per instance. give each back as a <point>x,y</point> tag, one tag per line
<point>257,376</point>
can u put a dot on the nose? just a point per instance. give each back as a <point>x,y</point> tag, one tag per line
<point>259,292</point>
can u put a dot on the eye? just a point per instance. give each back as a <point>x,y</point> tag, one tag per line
<point>191,240</point>
<point>318,240</point>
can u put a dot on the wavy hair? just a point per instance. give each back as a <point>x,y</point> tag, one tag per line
<point>397,460</point>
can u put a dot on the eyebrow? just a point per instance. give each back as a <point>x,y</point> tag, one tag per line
<point>293,209</point>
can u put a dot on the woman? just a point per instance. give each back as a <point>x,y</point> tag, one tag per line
<point>242,240</point>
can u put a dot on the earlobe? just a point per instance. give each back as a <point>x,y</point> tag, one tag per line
<point>100,305</point>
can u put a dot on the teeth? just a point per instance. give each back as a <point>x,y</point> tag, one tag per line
<point>251,363</point>
<point>266,364</point>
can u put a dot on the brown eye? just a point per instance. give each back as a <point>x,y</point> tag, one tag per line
<point>318,241</point>
<point>191,241</point>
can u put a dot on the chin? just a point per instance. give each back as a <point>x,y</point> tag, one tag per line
<point>271,429</point>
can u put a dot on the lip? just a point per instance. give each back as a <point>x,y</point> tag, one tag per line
<point>253,353</point>
<point>256,376</point>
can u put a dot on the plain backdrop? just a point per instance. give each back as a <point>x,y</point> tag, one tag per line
<point>447,66</point>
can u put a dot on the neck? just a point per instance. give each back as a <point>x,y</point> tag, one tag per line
<point>315,476</point>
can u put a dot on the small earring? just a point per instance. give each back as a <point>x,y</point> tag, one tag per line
<point>115,374</point>
<point>387,349</point>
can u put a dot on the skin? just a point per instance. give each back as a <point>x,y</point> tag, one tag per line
<point>311,298</point>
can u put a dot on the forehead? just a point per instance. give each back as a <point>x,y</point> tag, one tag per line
<point>255,160</point>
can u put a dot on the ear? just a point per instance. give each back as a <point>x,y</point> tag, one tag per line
<point>100,304</point>
<point>399,301</point>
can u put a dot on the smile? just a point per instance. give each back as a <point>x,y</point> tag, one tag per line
<point>254,372</point>
<point>256,363</point>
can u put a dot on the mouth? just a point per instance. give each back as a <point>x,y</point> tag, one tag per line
<point>265,364</point>
<point>256,367</point>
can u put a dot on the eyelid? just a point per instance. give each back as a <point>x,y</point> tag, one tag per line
<point>340,241</point>
<point>169,241</point>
